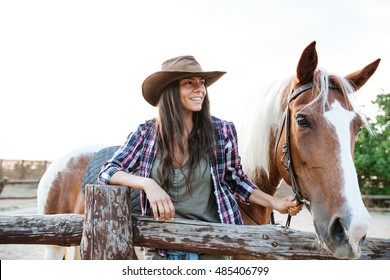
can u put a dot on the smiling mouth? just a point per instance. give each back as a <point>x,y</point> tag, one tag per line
<point>197,99</point>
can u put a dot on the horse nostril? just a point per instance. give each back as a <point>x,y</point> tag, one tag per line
<point>337,231</point>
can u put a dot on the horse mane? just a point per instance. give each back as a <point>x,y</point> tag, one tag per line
<point>264,114</point>
<point>260,121</point>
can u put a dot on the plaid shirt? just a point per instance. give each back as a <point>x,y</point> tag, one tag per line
<point>229,180</point>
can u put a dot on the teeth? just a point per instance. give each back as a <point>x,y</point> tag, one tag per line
<point>196,99</point>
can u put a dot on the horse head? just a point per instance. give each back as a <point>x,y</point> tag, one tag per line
<point>324,123</point>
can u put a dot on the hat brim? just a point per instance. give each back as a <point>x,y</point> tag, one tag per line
<point>155,83</point>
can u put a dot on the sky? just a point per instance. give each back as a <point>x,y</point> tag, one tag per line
<point>71,71</point>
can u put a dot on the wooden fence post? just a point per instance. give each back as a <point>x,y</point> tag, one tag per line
<point>108,233</point>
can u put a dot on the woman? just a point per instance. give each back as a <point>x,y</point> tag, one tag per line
<point>186,161</point>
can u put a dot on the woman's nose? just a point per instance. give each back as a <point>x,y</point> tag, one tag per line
<point>198,87</point>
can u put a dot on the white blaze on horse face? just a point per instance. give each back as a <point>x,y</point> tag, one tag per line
<point>341,119</point>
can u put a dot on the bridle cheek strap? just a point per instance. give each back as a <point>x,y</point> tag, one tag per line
<point>286,159</point>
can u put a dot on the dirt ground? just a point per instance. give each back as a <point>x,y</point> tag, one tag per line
<point>19,200</point>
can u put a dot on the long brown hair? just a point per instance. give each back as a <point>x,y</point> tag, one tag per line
<point>170,128</point>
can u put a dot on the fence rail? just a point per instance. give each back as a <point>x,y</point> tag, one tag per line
<point>59,229</point>
<point>376,197</point>
<point>377,202</point>
<point>260,242</point>
<point>109,231</point>
<point>23,169</point>
<point>23,182</point>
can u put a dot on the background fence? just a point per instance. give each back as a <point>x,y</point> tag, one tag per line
<point>18,170</point>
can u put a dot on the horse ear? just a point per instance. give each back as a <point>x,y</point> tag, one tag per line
<point>360,77</point>
<point>307,64</point>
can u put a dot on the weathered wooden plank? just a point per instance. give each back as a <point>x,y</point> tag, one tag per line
<point>257,242</point>
<point>107,225</point>
<point>110,232</point>
<point>61,229</point>
<point>263,242</point>
<point>260,242</point>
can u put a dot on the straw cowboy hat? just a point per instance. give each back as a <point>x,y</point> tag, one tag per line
<point>174,69</point>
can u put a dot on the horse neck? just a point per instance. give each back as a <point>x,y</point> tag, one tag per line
<point>270,114</point>
<point>268,183</point>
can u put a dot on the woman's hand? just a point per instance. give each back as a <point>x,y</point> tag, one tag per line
<point>160,201</point>
<point>284,205</point>
<point>287,205</point>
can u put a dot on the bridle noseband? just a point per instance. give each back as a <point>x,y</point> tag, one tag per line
<point>286,159</point>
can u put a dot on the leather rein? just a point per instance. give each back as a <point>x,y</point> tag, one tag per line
<point>286,159</point>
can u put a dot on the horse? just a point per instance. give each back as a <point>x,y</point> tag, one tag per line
<point>62,187</point>
<point>59,192</point>
<point>302,134</point>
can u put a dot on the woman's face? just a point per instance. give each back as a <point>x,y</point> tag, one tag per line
<point>192,93</point>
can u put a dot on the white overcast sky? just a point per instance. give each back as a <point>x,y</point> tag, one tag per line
<point>71,71</point>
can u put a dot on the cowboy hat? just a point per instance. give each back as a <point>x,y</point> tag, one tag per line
<point>175,69</point>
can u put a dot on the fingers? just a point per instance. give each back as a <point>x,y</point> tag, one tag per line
<point>163,210</point>
<point>166,210</point>
<point>292,206</point>
<point>288,205</point>
<point>291,201</point>
<point>160,202</point>
<point>291,198</point>
<point>294,210</point>
<point>155,211</point>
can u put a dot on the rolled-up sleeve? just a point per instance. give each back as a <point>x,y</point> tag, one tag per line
<point>126,158</point>
<point>237,180</point>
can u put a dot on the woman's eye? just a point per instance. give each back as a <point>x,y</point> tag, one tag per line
<point>301,121</point>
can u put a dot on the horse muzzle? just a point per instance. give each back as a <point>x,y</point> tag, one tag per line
<point>344,234</point>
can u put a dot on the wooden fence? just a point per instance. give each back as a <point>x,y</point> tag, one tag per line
<point>377,202</point>
<point>109,231</point>
<point>19,170</point>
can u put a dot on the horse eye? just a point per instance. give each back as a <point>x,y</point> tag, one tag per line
<point>301,121</point>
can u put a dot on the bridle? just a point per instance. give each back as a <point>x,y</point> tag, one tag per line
<point>286,159</point>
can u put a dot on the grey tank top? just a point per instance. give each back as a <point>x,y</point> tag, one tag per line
<point>199,204</point>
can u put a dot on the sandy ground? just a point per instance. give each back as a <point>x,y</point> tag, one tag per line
<point>12,202</point>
